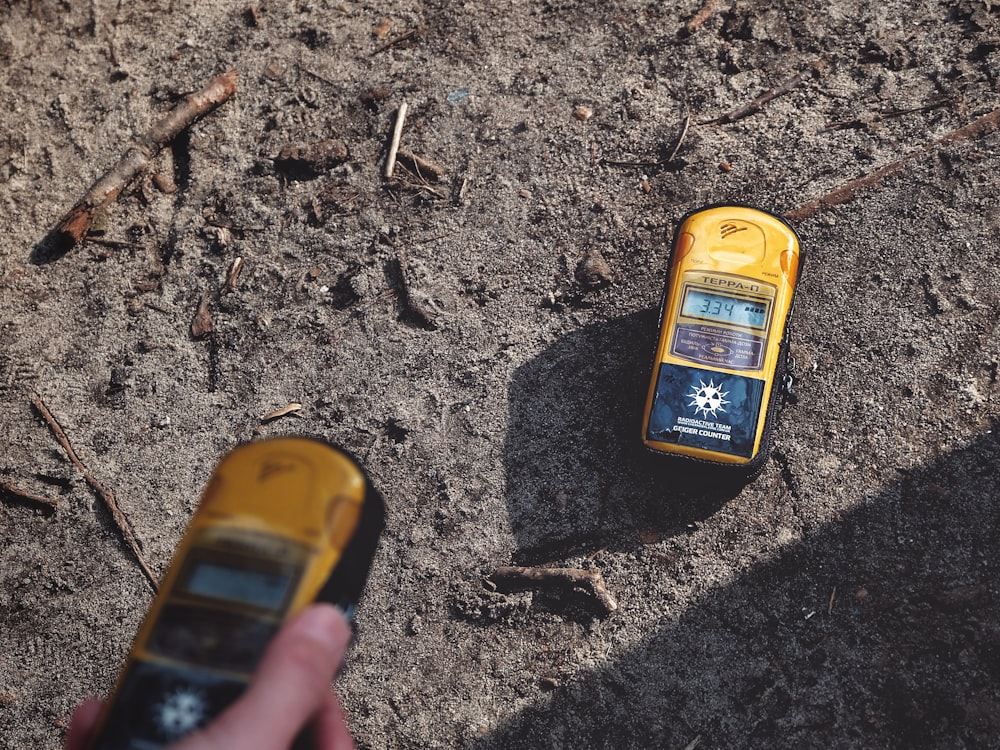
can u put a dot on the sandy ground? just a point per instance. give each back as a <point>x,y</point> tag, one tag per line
<point>846,598</point>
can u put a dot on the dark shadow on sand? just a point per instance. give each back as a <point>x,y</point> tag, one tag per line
<point>578,477</point>
<point>906,656</point>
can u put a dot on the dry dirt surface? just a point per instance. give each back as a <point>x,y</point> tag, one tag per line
<point>437,326</point>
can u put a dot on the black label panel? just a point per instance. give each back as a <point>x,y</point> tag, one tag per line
<point>157,705</point>
<point>705,409</point>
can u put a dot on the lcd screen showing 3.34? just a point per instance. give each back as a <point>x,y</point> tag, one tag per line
<point>724,309</point>
<point>258,588</point>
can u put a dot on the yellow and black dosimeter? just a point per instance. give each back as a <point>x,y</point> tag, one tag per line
<point>282,523</point>
<point>722,356</point>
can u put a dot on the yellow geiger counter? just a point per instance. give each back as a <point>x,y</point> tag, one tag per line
<point>722,355</point>
<point>282,523</point>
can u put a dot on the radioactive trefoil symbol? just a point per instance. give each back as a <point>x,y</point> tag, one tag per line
<point>181,711</point>
<point>708,399</point>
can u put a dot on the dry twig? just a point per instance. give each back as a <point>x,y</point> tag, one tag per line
<point>74,226</point>
<point>278,413</point>
<point>757,104</point>
<point>202,323</point>
<point>397,40</point>
<point>678,142</point>
<point>514,577</point>
<point>696,21</point>
<point>9,490</point>
<point>864,122</point>
<point>233,276</point>
<point>103,492</point>
<point>985,125</point>
<point>397,134</point>
<point>680,139</point>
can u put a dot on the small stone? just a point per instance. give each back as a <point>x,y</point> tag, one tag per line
<point>414,626</point>
<point>382,28</point>
<point>583,113</point>
<point>593,272</point>
<point>275,70</point>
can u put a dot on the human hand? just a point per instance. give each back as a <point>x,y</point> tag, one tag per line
<point>291,689</point>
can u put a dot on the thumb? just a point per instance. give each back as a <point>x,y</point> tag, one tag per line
<point>291,686</point>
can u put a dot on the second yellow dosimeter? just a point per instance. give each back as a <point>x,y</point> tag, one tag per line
<point>282,523</point>
<point>722,354</point>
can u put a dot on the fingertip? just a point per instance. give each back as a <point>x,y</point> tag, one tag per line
<point>324,623</point>
<point>330,726</point>
<point>83,724</point>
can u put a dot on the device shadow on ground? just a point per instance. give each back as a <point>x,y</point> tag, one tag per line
<point>881,629</point>
<point>576,475</point>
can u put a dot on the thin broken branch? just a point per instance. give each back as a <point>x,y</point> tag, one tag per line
<point>757,104</point>
<point>864,122</point>
<point>680,139</point>
<point>102,492</point>
<point>233,276</point>
<point>202,323</point>
<point>397,134</point>
<point>512,578</point>
<point>978,128</point>
<point>678,142</point>
<point>395,41</point>
<point>9,490</point>
<point>293,408</point>
<point>74,226</point>
<point>698,19</point>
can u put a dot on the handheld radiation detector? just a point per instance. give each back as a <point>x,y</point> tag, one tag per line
<point>282,523</point>
<point>722,354</point>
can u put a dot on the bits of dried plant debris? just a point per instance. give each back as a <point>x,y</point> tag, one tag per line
<point>382,28</point>
<point>371,97</point>
<point>306,162</point>
<point>202,325</point>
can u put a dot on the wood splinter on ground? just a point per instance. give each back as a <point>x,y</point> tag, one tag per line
<point>397,134</point>
<point>202,323</point>
<point>698,19</point>
<point>978,128</point>
<point>757,104</point>
<point>512,577</point>
<point>425,169</point>
<point>103,492</point>
<point>29,498</point>
<point>74,226</point>
<point>292,408</point>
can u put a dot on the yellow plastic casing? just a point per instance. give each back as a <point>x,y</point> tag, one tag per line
<point>290,505</point>
<point>751,256</point>
<point>300,490</point>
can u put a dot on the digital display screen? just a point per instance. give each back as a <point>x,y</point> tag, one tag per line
<point>709,306</point>
<point>258,588</point>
